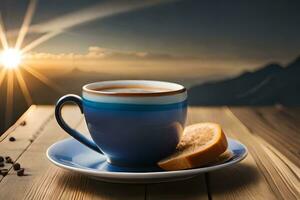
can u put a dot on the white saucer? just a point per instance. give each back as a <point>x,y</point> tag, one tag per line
<point>72,155</point>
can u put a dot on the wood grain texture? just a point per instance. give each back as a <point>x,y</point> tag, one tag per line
<point>33,159</point>
<point>56,183</point>
<point>18,122</point>
<point>292,111</point>
<point>36,119</point>
<point>287,170</point>
<point>191,189</point>
<point>255,178</point>
<point>279,126</point>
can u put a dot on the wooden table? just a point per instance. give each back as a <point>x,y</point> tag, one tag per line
<point>271,170</point>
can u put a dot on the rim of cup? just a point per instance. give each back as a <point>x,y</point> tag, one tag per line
<point>162,88</point>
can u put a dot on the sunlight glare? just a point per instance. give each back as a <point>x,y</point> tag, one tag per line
<point>26,23</point>
<point>9,97</point>
<point>23,87</point>
<point>3,38</point>
<point>11,58</point>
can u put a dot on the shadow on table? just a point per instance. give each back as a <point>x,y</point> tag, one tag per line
<point>84,186</point>
<point>227,180</point>
<point>76,184</point>
<point>193,188</point>
<point>233,178</point>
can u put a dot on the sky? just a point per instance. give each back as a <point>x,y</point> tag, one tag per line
<point>232,32</point>
<point>186,41</point>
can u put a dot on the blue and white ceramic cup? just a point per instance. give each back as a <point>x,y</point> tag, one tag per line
<point>134,127</point>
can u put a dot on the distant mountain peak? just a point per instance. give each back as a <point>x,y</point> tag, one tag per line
<point>78,71</point>
<point>265,70</point>
<point>295,62</point>
<point>75,70</point>
<point>297,59</point>
<point>271,67</point>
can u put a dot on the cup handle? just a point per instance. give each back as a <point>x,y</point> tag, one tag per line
<point>75,134</point>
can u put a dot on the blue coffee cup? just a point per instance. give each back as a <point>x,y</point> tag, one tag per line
<point>134,123</point>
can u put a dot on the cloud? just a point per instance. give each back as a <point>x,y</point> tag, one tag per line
<point>128,64</point>
<point>58,25</point>
<point>94,12</point>
<point>99,53</point>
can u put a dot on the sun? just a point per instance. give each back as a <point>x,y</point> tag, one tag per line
<point>11,58</point>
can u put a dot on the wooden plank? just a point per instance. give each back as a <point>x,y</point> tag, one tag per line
<point>13,186</point>
<point>278,134</point>
<point>60,184</point>
<point>255,177</point>
<point>287,170</point>
<point>278,126</point>
<point>46,181</point>
<point>21,120</point>
<point>292,111</point>
<point>28,116</point>
<point>34,121</point>
<point>190,189</point>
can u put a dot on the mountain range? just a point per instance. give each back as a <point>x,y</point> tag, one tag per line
<point>272,84</point>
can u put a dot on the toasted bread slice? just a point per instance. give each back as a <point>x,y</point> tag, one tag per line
<point>201,144</point>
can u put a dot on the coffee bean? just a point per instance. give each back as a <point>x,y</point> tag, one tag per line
<point>20,172</point>
<point>23,123</point>
<point>1,159</point>
<point>12,139</point>
<point>16,166</point>
<point>3,172</point>
<point>8,159</point>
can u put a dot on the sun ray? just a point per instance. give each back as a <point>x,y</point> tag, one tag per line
<point>9,97</point>
<point>2,75</point>
<point>93,12</point>
<point>39,41</point>
<point>3,38</point>
<point>43,78</point>
<point>23,87</point>
<point>26,23</point>
<point>58,25</point>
